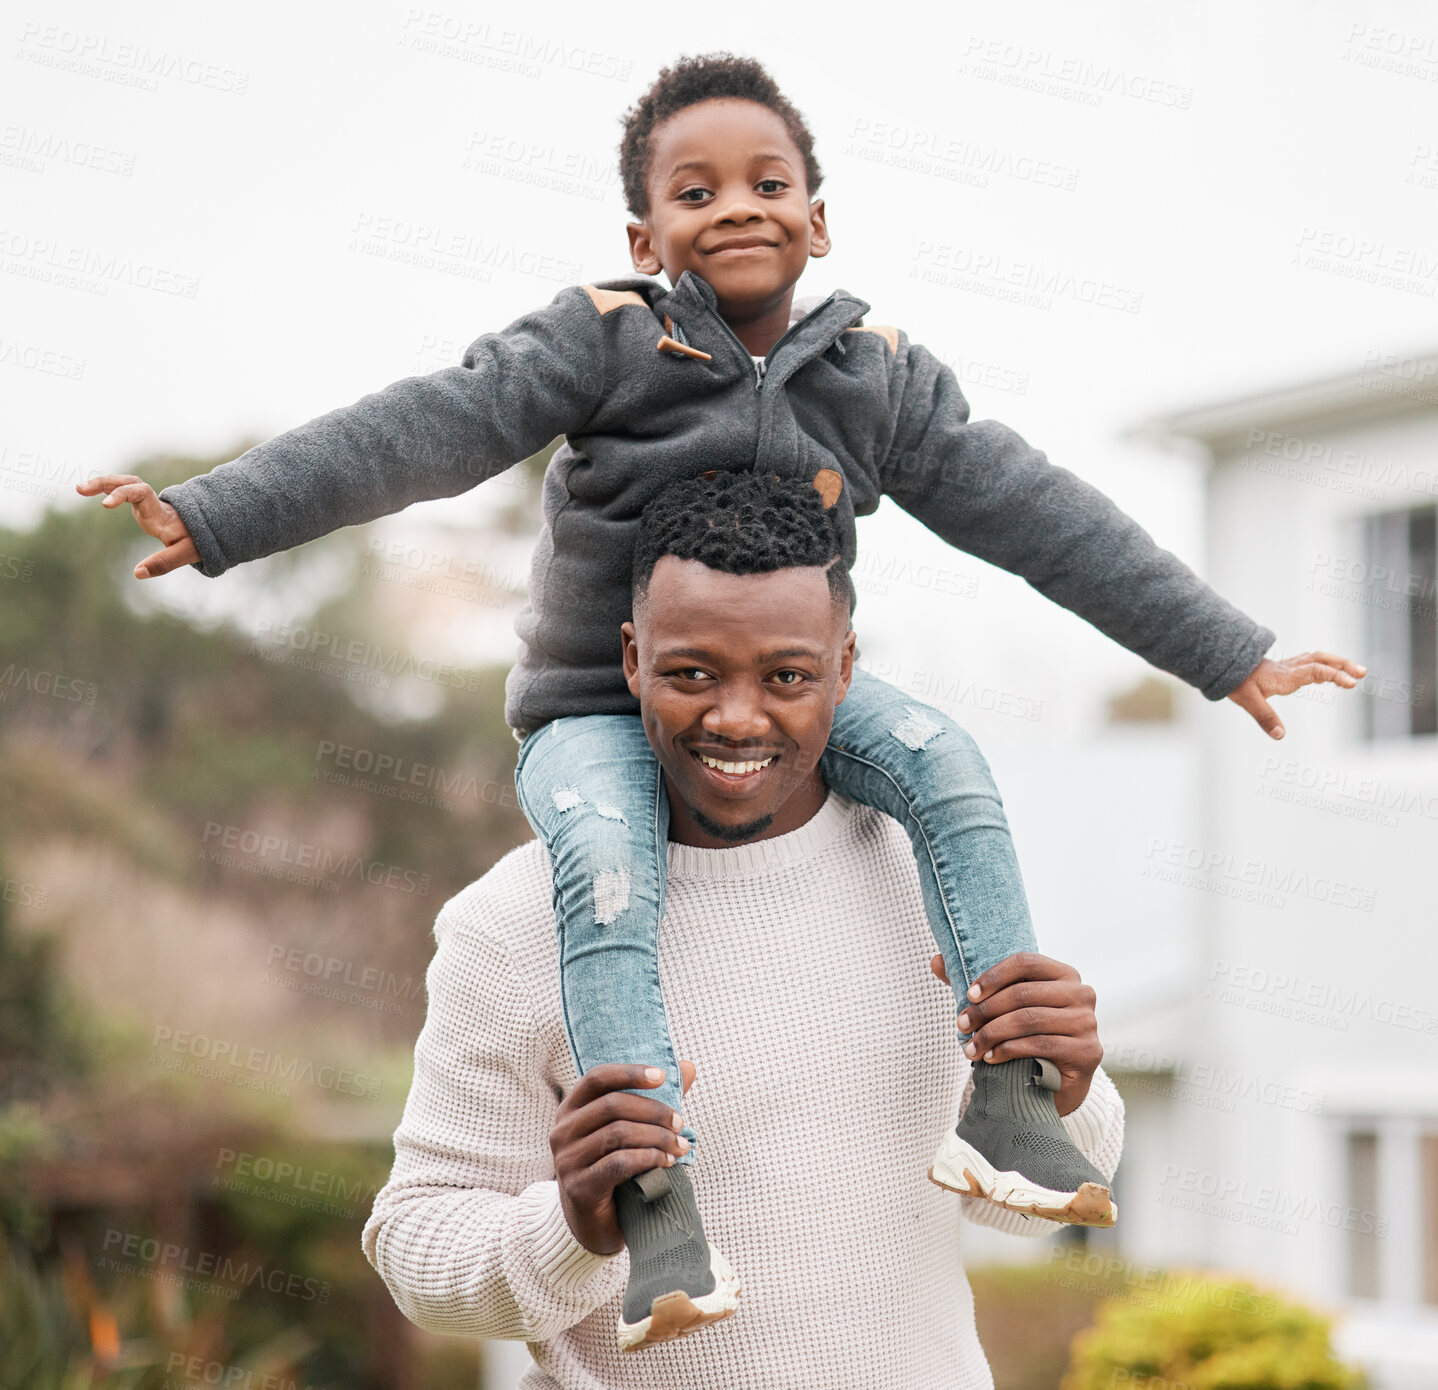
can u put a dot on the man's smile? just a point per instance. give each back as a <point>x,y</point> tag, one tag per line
<point>730,772</point>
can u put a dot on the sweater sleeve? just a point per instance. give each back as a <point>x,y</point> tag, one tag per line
<point>468,1233</point>
<point>987,491</point>
<point>420,438</point>
<point>1096,1128</point>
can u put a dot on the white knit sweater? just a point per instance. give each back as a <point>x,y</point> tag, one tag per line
<point>796,974</point>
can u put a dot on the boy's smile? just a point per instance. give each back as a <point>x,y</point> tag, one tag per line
<point>728,200</point>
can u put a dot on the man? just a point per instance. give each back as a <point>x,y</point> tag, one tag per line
<point>789,960</point>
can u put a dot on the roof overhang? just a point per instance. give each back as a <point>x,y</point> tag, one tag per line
<point>1385,385</point>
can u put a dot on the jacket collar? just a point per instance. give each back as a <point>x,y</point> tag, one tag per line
<point>693,304</point>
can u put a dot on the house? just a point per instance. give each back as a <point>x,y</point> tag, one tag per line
<point>1283,1109</point>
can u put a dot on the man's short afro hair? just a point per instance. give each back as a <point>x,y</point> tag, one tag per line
<point>692,80</point>
<point>742,523</point>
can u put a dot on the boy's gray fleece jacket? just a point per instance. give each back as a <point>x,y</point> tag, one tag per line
<point>619,370</point>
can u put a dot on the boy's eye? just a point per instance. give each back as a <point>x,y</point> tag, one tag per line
<point>778,185</point>
<point>696,190</point>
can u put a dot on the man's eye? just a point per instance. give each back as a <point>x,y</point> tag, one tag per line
<point>798,676</point>
<point>689,673</point>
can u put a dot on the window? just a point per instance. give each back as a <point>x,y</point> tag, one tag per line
<point>1390,1225</point>
<point>1401,578</point>
<point>1363,1271</point>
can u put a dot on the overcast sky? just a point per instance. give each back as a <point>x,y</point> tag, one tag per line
<point>219,222</point>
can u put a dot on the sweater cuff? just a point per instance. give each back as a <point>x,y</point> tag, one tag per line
<point>1242,666</point>
<point>558,1256</point>
<point>1096,1127</point>
<point>212,563</point>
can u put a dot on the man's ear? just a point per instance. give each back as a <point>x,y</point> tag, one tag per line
<point>846,667</point>
<point>819,243</point>
<point>631,658</point>
<point>641,249</point>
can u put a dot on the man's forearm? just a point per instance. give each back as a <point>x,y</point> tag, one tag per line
<point>485,1264</point>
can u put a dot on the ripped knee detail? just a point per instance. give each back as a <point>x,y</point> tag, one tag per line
<point>611,895</point>
<point>917,729</point>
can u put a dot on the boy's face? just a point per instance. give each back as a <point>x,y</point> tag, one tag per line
<point>728,200</point>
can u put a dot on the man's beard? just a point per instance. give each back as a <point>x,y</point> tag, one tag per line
<point>733,833</point>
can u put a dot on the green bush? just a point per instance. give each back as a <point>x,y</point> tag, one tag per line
<point>1206,1333</point>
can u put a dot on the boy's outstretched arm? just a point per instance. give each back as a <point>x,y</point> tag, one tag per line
<point>986,490</point>
<point>423,437</point>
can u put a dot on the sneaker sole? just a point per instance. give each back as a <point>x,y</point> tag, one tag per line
<point>677,1314</point>
<point>959,1167</point>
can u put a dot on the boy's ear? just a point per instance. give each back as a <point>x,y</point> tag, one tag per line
<point>641,249</point>
<point>819,243</point>
<point>631,658</point>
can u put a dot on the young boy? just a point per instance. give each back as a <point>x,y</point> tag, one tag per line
<point>649,385</point>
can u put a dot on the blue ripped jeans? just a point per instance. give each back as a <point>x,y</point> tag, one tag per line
<point>594,793</point>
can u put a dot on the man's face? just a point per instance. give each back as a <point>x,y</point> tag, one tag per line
<point>738,669</point>
<point>728,200</point>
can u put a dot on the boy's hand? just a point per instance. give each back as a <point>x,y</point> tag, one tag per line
<point>602,1136</point>
<point>1286,676</point>
<point>157,518</point>
<point>1030,1005</point>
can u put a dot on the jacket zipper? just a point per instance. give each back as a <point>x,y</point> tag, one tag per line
<point>758,370</point>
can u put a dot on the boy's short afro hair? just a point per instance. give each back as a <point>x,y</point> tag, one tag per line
<point>742,523</point>
<point>692,80</point>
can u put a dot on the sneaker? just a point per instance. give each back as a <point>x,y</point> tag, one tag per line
<point>1012,1149</point>
<point>677,1282</point>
